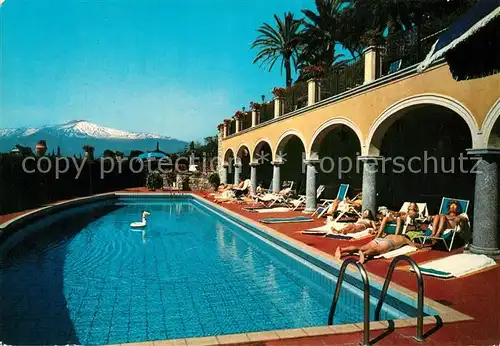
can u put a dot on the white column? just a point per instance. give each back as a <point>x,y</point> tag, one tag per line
<point>225,129</point>
<point>255,117</point>
<point>313,91</point>
<point>238,124</point>
<point>372,64</point>
<point>278,107</point>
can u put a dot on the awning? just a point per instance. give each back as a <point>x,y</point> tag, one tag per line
<point>471,45</point>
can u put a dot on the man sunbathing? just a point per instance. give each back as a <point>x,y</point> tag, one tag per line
<point>377,246</point>
<point>364,222</point>
<point>442,222</point>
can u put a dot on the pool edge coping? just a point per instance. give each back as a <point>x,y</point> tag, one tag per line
<point>446,314</point>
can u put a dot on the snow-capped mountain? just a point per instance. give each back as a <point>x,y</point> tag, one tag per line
<point>81,129</point>
<point>72,135</point>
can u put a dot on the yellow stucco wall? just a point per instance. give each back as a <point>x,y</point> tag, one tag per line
<point>368,113</point>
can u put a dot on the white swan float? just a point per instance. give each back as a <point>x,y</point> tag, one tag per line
<point>140,223</point>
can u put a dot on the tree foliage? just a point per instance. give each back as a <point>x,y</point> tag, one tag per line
<point>279,43</point>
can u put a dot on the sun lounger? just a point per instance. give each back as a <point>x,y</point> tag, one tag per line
<point>349,236</point>
<point>348,207</point>
<point>269,210</point>
<point>287,219</point>
<point>302,199</point>
<point>321,230</point>
<point>448,236</point>
<point>326,230</point>
<point>341,195</point>
<point>457,265</point>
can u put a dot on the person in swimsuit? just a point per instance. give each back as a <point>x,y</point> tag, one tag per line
<point>335,204</point>
<point>442,222</point>
<point>377,246</point>
<point>364,222</point>
<point>409,217</point>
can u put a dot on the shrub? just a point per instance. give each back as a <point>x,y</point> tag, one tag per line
<point>214,180</point>
<point>154,181</point>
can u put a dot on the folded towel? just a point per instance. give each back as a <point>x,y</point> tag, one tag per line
<point>349,236</point>
<point>321,230</point>
<point>272,210</point>
<point>457,265</point>
<point>287,219</point>
<point>401,251</point>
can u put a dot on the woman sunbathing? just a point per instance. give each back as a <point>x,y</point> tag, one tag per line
<point>377,246</point>
<point>442,222</point>
<point>364,222</point>
<point>227,187</point>
<point>357,202</point>
<point>409,218</point>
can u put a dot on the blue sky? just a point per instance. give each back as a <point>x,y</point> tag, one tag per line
<point>173,67</point>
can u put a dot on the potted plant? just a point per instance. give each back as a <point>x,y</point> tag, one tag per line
<point>154,181</point>
<point>255,106</point>
<point>314,71</point>
<point>214,180</point>
<point>279,92</point>
<point>239,114</point>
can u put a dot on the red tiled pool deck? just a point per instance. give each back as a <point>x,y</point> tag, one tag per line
<point>477,295</point>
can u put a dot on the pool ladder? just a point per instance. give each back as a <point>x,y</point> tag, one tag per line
<point>366,299</point>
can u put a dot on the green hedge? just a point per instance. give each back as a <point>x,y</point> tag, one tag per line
<point>20,190</point>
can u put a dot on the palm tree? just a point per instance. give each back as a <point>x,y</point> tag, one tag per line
<point>366,22</point>
<point>321,33</point>
<point>279,43</point>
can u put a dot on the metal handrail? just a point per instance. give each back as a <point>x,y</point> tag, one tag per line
<point>364,276</point>
<point>420,283</point>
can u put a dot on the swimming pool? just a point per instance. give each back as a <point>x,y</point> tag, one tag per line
<point>84,276</point>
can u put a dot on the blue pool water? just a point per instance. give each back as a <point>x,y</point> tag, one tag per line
<point>86,277</point>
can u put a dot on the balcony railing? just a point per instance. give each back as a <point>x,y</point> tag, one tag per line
<point>343,78</point>
<point>405,47</point>
<point>400,51</point>
<point>266,112</point>
<point>295,97</point>
<point>246,121</point>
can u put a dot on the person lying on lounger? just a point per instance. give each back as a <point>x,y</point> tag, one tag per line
<point>357,203</point>
<point>227,187</point>
<point>364,222</point>
<point>377,246</point>
<point>442,222</point>
<point>409,218</point>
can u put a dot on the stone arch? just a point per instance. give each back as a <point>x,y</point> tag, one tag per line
<point>323,130</point>
<point>241,152</point>
<point>228,153</point>
<point>396,111</point>
<point>283,140</point>
<point>489,123</point>
<point>258,146</point>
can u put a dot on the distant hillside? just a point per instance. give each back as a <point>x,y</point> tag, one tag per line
<point>71,137</point>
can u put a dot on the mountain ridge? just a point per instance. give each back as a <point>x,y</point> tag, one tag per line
<point>72,135</point>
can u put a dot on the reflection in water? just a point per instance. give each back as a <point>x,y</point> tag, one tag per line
<point>271,277</point>
<point>142,231</point>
